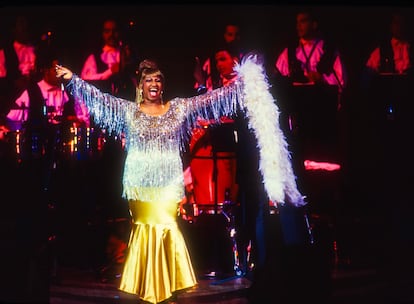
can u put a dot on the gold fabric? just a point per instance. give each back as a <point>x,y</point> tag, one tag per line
<point>158,262</point>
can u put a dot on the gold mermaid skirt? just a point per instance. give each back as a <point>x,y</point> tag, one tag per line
<point>158,262</point>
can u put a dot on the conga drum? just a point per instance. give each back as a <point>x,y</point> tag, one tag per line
<point>213,171</point>
<point>213,167</point>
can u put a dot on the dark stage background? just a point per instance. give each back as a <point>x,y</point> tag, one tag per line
<point>176,33</point>
<point>376,169</point>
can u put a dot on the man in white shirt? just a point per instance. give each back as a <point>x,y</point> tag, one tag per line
<point>17,63</point>
<point>309,51</point>
<point>387,76</point>
<point>110,55</point>
<point>109,66</point>
<point>206,71</point>
<point>26,56</point>
<point>392,56</point>
<point>41,108</point>
<point>312,74</point>
<point>53,99</point>
<point>310,78</point>
<point>387,97</point>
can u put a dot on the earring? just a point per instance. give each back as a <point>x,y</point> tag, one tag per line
<point>138,98</point>
<point>162,101</point>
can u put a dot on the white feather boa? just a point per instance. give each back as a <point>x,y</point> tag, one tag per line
<point>263,116</point>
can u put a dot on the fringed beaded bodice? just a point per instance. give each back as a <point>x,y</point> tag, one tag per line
<point>153,161</point>
<point>153,166</point>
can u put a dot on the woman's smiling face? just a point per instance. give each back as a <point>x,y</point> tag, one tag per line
<point>152,87</point>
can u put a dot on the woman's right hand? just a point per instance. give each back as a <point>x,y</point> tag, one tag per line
<point>63,72</point>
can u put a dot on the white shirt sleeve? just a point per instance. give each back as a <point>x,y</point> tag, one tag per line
<point>20,114</point>
<point>374,61</point>
<point>282,64</point>
<point>90,70</point>
<point>338,77</point>
<point>3,70</point>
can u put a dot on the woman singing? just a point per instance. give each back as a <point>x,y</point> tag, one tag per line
<point>158,262</point>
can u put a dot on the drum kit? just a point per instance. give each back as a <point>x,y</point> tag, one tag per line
<point>213,168</point>
<point>65,135</point>
<point>79,143</point>
<point>214,192</point>
<point>212,206</point>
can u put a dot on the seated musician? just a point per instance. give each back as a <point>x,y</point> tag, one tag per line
<point>44,106</point>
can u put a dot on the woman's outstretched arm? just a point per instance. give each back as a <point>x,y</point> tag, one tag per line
<point>107,111</point>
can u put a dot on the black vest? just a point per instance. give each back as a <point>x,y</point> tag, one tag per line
<point>386,57</point>
<point>120,84</point>
<point>324,66</point>
<point>9,88</point>
<point>37,117</point>
<point>106,86</point>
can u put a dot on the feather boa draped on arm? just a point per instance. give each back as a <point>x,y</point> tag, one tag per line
<point>263,118</point>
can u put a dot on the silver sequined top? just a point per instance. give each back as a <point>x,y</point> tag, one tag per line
<point>153,166</point>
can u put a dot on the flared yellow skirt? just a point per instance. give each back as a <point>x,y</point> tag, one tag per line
<point>158,262</point>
